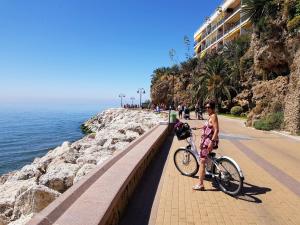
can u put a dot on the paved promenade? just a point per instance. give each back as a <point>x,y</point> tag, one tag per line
<point>271,165</point>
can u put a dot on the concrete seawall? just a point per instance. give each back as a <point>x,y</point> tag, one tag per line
<point>101,197</point>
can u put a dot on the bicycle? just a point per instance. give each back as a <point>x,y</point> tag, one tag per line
<point>224,170</point>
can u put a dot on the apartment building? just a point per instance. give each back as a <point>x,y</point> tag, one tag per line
<point>224,25</point>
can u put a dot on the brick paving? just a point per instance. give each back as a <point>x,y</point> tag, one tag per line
<point>270,163</point>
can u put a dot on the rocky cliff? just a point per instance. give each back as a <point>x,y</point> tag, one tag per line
<point>27,191</point>
<point>277,61</point>
<point>292,100</point>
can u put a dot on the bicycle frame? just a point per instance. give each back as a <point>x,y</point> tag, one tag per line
<point>214,160</point>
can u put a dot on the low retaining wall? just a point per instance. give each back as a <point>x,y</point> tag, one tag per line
<point>101,197</point>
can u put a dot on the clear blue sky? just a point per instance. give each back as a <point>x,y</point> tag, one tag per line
<point>86,50</point>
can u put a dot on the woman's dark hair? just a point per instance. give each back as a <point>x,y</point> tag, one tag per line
<point>211,104</point>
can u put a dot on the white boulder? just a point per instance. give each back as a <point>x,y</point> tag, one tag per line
<point>8,194</point>
<point>84,170</point>
<point>33,200</point>
<point>59,176</point>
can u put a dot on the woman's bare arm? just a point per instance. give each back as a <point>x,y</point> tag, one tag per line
<point>197,128</point>
<point>215,124</point>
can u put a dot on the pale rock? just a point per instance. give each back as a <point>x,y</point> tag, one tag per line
<point>131,135</point>
<point>55,154</point>
<point>101,141</point>
<point>8,194</point>
<point>3,220</point>
<point>27,172</point>
<point>59,176</point>
<point>119,146</point>
<point>33,200</point>
<point>22,220</point>
<point>136,128</point>
<point>7,176</point>
<point>84,170</point>
<point>92,150</point>
<point>108,143</point>
<point>90,159</point>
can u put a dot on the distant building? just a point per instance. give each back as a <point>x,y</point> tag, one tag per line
<point>224,25</point>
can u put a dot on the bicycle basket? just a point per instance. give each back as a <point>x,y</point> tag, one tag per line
<point>182,131</point>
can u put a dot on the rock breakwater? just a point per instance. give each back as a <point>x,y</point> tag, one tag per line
<point>27,191</point>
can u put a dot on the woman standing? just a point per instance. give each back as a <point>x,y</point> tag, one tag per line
<point>209,141</point>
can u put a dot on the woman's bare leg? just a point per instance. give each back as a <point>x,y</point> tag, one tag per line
<point>202,171</point>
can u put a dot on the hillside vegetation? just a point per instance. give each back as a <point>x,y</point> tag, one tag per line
<point>258,72</point>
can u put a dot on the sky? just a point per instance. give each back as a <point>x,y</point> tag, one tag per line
<point>90,50</point>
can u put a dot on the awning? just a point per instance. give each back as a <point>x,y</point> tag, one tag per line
<point>202,54</point>
<point>198,37</point>
<point>197,48</point>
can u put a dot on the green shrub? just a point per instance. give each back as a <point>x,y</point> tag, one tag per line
<point>236,110</point>
<point>294,24</point>
<point>271,122</point>
<point>244,115</point>
<point>262,125</point>
<point>297,8</point>
<point>85,129</point>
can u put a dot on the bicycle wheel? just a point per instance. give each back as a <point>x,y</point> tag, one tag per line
<point>186,162</point>
<point>228,177</point>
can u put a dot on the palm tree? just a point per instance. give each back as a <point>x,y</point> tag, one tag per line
<point>186,69</point>
<point>257,10</point>
<point>198,90</point>
<point>218,80</point>
<point>233,51</point>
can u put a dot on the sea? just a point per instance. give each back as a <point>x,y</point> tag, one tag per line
<point>30,131</point>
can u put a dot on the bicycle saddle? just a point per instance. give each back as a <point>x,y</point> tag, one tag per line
<point>212,154</point>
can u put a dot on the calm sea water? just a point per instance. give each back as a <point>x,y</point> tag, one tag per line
<point>29,132</point>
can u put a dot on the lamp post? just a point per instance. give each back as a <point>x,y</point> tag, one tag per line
<point>132,99</point>
<point>141,91</point>
<point>122,96</point>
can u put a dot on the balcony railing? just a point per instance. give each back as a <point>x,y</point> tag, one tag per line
<point>220,36</point>
<point>232,27</point>
<point>244,18</point>
<point>233,12</point>
<point>210,29</point>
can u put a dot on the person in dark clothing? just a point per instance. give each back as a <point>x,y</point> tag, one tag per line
<point>186,113</point>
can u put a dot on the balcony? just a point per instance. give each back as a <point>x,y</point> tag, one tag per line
<point>233,12</point>
<point>211,29</point>
<point>232,27</point>
<point>216,39</point>
<point>220,35</point>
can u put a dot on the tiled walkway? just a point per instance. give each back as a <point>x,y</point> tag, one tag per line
<point>270,162</point>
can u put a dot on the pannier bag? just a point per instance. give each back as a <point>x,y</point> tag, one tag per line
<point>182,130</point>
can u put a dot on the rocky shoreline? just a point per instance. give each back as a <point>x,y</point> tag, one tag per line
<point>27,191</point>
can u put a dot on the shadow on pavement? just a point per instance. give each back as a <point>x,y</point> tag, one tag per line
<point>138,210</point>
<point>250,193</point>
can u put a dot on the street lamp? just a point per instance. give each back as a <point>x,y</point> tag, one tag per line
<point>141,91</point>
<point>122,96</point>
<point>132,99</point>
